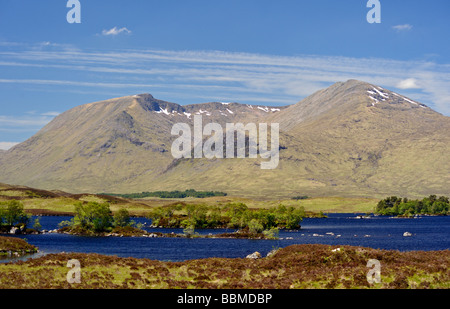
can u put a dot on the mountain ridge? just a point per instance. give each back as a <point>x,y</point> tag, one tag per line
<point>345,140</point>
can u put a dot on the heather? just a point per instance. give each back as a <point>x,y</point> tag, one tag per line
<point>293,267</point>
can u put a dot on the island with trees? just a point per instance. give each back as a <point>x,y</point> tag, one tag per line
<point>404,207</point>
<point>14,219</point>
<point>96,219</point>
<point>249,223</point>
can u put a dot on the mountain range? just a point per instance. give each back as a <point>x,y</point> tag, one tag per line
<point>352,139</point>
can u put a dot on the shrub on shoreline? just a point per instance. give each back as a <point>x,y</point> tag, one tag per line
<point>12,214</point>
<point>93,218</point>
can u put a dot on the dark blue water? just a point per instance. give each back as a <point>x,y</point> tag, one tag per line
<point>428,233</point>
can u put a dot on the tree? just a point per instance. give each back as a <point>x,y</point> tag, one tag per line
<point>13,214</point>
<point>37,224</point>
<point>254,226</point>
<point>122,218</point>
<point>238,214</point>
<point>2,215</point>
<point>294,217</point>
<point>93,217</point>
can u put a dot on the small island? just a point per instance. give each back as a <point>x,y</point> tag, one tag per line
<point>14,220</point>
<point>15,247</point>
<point>249,223</point>
<point>404,207</point>
<point>96,219</point>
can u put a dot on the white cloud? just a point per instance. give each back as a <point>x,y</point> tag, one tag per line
<point>405,27</point>
<point>410,83</point>
<point>51,114</point>
<point>116,31</point>
<point>7,145</point>
<point>24,121</point>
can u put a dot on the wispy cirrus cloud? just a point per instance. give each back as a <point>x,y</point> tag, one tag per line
<point>28,123</point>
<point>404,27</point>
<point>228,76</point>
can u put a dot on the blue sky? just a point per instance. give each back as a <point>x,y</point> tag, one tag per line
<point>193,51</point>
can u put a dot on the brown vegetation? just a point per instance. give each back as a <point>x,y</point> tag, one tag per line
<point>15,246</point>
<point>298,267</point>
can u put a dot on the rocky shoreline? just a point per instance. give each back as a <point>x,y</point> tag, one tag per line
<point>142,233</point>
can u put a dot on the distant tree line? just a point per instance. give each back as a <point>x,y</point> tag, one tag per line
<point>171,194</point>
<point>301,197</point>
<point>396,206</point>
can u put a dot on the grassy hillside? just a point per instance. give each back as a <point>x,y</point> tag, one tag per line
<point>57,202</point>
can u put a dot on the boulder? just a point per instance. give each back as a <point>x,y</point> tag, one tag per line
<point>254,255</point>
<point>14,230</point>
<point>271,253</point>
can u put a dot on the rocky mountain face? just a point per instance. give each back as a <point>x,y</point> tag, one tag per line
<point>351,139</point>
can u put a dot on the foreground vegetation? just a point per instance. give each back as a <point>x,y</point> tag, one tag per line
<point>294,267</point>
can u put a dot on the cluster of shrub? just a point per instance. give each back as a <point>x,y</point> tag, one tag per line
<point>300,197</point>
<point>97,218</point>
<point>396,206</point>
<point>171,194</point>
<point>12,215</point>
<point>233,215</point>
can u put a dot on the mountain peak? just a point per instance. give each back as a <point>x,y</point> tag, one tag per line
<point>352,138</point>
<point>376,94</point>
<point>143,96</point>
<point>349,98</point>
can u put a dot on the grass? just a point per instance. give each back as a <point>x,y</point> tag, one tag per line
<point>294,267</point>
<point>315,204</point>
<point>324,204</point>
<point>51,203</point>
